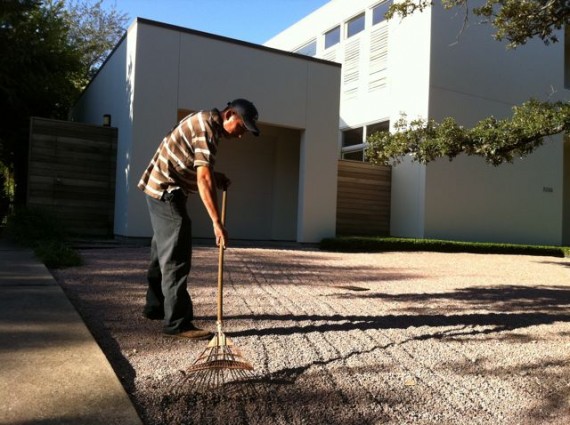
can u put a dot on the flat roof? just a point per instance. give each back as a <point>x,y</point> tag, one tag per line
<point>205,35</point>
<point>229,40</point>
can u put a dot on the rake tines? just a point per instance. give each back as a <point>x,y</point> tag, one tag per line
<point>220,365</point>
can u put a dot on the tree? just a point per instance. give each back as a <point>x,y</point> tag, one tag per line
<point>516,21</point>
<point>497,141</point>
<point>48,54</point>
<point>38,68</point>
<point>94,31</point>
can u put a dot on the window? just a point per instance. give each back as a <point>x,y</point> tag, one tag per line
<point>352,137</point>
<point>375,128</point>
<point>309,49</point>
<point>379,11</point>
<point>354,156</point>
<point>355,25</point>
<point>332,37</point>
<point>352,144</point>
<point>182,113</point>
<point>353,140</point>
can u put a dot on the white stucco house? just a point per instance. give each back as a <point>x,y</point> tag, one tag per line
<point>429,66</point>
<point>284,182</point>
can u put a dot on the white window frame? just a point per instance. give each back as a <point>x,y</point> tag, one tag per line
<point>362,146</point>
<point>299,50</point>
<point>353,19</point>
<point>381,4</point>
<point>339,30</point>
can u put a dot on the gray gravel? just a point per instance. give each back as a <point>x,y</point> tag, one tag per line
<point>345,339</point>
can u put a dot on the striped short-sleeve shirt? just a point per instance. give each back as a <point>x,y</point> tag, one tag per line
<point>191,144</point>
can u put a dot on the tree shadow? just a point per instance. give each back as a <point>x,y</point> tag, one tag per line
<point>494,298</point>
<point>551,398</point>
<point>498,321</point>
<point>503,308</point>
<point>556,263</point>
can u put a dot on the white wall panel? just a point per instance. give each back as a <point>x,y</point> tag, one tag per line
<point>162,68</point>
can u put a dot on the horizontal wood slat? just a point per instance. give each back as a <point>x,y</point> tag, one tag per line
<point>71,173</point>
<point>363,199</point>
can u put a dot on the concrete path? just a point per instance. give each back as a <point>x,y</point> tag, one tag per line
<point>51,369</point>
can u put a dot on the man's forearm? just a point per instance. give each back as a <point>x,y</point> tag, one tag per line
<point>208,193</point>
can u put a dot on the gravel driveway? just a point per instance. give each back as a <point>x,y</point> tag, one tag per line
<point>346,339</point>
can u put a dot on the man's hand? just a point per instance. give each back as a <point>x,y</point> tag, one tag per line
<point>222,181</point>
<point>221,234</point>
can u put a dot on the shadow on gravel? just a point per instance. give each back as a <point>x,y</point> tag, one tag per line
<point>551,395</point>
<point>498,321</point>
<point>511,298</point>
<point>110,290</point>
<point>505,309</point>
<point>556,263</point>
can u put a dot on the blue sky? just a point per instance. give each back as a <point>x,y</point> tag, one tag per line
<point>255,21</point>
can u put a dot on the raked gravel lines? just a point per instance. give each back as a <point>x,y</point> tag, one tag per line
<point>346,339</point>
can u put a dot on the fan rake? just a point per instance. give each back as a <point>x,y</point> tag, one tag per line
<point>221,362</point>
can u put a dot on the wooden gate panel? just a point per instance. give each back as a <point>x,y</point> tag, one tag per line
<point>363,200</point>
<point>71,172</point>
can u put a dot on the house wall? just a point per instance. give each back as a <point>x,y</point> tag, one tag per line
<point>436,68</point>
<point>154,107</point>
<point>472,77</point>
<point>364,105</point>
<point>404,90</point>
<point>112,92</point>
<point>274,177</point>
<point>409,53</point>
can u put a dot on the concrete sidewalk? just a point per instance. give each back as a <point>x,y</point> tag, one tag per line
<point>51,369</point>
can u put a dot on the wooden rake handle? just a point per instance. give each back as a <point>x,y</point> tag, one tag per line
<point>221,262</point>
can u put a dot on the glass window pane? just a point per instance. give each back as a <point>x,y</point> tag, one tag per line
<point>380,126</point>
<point>332,37</point>
<point>352,137</point>
<point>379,11</point>
<point>354,26</point>
<point>309,49</point>
<point>355,156</point>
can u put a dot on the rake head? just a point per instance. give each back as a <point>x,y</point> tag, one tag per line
<point>220,364</point>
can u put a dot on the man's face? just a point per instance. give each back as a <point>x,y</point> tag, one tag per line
<point>233,125</point>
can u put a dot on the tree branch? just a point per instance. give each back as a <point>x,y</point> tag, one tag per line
<point>497,141</point>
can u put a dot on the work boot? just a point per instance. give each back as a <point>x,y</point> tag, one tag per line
<point>191,332</point>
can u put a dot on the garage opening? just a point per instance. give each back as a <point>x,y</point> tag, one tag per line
<point>263,196</point>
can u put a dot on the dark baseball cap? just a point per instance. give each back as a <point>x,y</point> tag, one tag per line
<point>247,112</point>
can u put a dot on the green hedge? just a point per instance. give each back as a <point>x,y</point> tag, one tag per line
<point>383,244</point>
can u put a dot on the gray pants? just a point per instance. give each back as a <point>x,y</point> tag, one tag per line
<point>170,262</point>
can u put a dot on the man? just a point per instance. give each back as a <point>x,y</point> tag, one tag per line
<point>184,164</point>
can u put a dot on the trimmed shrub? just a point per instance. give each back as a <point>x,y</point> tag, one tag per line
<point>45,234</point>
<point>381,244</point>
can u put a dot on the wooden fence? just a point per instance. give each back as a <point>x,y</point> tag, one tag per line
<point>363,200</point>
<point>71,173</point>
